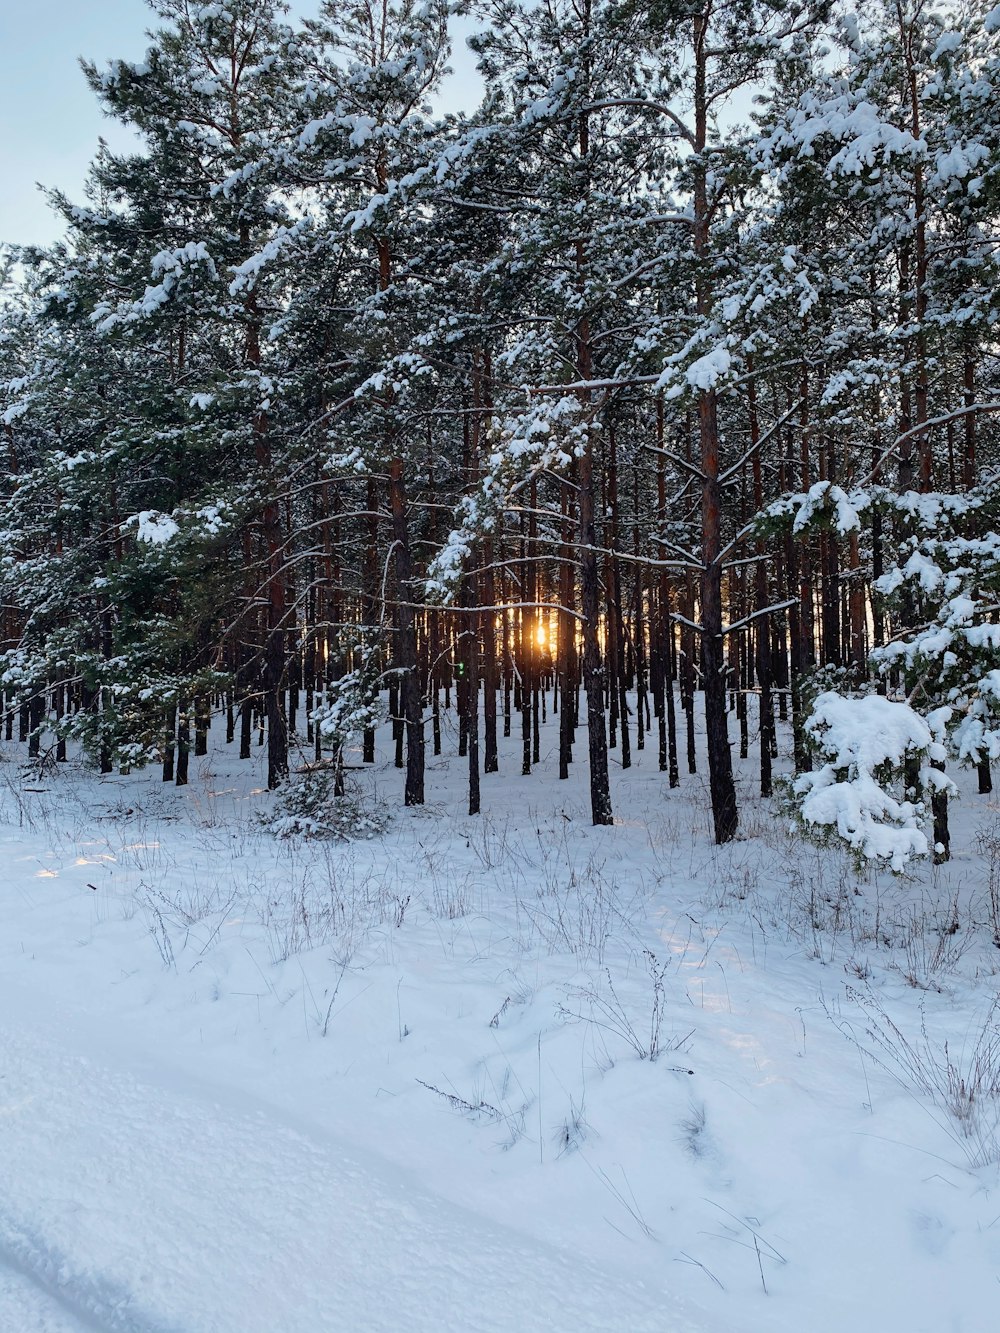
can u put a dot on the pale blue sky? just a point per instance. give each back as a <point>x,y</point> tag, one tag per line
<point>49,120</point>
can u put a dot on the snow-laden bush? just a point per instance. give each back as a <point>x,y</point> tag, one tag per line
<point>353,703</point>
<point>940,591</point>
<point>317,805</point>
<point>872,750</point>
<point>312,807</point>
<point>950,586</point>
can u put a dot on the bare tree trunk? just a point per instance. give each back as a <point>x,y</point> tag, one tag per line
<point>593,675</point>
<point>183,742</point>
<point>939,807</point>
<point>969,384</point>
<point>720,762</point>
<point>763,626</point>
<point>472,705</point>
<point>406,653</point>
<point>169,716</point>
<point>274,590</point>
<point>566,648</point>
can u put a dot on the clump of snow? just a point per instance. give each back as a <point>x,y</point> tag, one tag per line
<point>846,117</point>
<point>947,44</point>
<point>824,496</point>
<point>153,527</point>
<point>706,372</point>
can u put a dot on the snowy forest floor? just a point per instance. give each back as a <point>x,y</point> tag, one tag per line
<point>500,1073</point>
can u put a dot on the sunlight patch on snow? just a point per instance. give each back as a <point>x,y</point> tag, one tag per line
<point>750,1048</point>
<point>711,1001</point>
<point>710,990</point>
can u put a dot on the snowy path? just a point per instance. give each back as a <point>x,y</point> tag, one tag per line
<point>141,1207</point>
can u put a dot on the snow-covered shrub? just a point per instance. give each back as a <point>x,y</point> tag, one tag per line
<point>871,748</point>
<point>312,808</point>
<point>940,591</point>
<point>951,582</point>
<point>317,805</point>
<point>351,704</point>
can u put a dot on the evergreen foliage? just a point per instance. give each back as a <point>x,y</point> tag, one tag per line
<point>668,371</point>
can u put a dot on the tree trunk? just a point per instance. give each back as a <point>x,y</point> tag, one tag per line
<point>406,652</point>
<point>593,676</point>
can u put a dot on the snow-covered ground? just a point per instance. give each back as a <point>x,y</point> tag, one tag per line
<point>251,1085</point>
